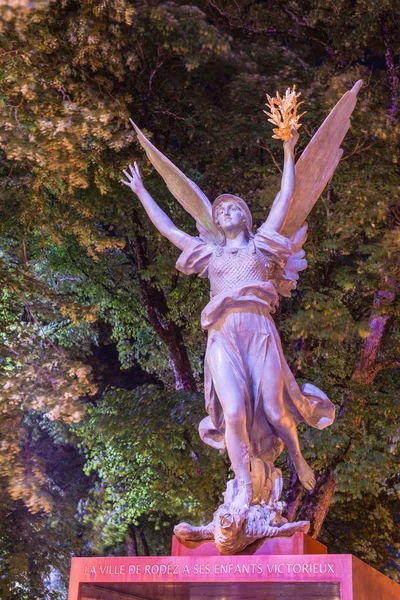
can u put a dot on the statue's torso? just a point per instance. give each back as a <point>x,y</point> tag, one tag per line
<point>229,268</point>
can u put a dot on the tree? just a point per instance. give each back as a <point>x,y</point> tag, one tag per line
<point>151,478</point>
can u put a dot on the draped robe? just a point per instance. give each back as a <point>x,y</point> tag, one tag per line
<point>245,283</point>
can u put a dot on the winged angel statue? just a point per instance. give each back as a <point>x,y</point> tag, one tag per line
<point>252,399</point>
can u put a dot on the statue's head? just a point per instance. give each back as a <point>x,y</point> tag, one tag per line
<point>232,213</point>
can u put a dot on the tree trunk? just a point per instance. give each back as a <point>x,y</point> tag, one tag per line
<point>131,541</point>
<point>167,330</point>
<point>317,503</point>
<point>391,75</point>
<point>146,550</point>
<point>293,496</point>
<point>367,366</point>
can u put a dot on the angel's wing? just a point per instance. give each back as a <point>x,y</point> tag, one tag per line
<point>188,194</point>
<point>319,160</point>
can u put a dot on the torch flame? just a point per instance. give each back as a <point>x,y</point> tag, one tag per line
<point>284,113</point>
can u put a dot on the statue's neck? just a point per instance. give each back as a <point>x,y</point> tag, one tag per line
<point>236,240</point>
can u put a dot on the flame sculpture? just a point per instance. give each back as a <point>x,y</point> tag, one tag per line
<point>284,113</point>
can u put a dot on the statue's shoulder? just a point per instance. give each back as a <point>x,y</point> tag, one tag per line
<point>196,256</point>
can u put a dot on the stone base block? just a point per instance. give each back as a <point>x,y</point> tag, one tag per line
<point>299,543</point>
<point>245,577</point>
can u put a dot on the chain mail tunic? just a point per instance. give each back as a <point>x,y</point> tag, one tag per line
<point>230,268</point>
<point>244,291</point>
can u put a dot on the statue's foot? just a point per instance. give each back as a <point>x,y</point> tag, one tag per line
<point>240,506</point>
<point>306,474</point>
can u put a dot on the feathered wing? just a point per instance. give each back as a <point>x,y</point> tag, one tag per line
<point>319,160</point>
<point>188,194</point>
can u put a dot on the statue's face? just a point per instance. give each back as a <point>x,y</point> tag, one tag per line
<point>229,217</point>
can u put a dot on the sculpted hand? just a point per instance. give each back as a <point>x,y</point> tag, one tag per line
<point>293,140</point>
<point>134,180</point>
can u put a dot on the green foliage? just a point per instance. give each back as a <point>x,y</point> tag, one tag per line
<point>35,376</point>
<point>149,463</point>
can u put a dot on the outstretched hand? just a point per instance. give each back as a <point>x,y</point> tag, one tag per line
<point>293,140</point>
<point>134,179</point>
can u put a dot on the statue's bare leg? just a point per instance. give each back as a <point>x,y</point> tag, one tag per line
<point>232,400</point>
<point>283,424</point>
<point>287,431</point>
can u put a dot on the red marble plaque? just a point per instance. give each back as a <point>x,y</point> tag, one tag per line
<point>245,577</point>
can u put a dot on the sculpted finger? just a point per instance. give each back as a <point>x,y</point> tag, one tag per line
<point>132,170</point>
<point>137,169</point>
<point>125,182</point>
<point>128,175</point>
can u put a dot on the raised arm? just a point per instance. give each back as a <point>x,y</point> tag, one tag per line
<point>280,207</point>
<point>157,216</point>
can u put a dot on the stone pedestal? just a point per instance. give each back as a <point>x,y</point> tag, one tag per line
<point>303,572</point>
<point>299,543</point>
